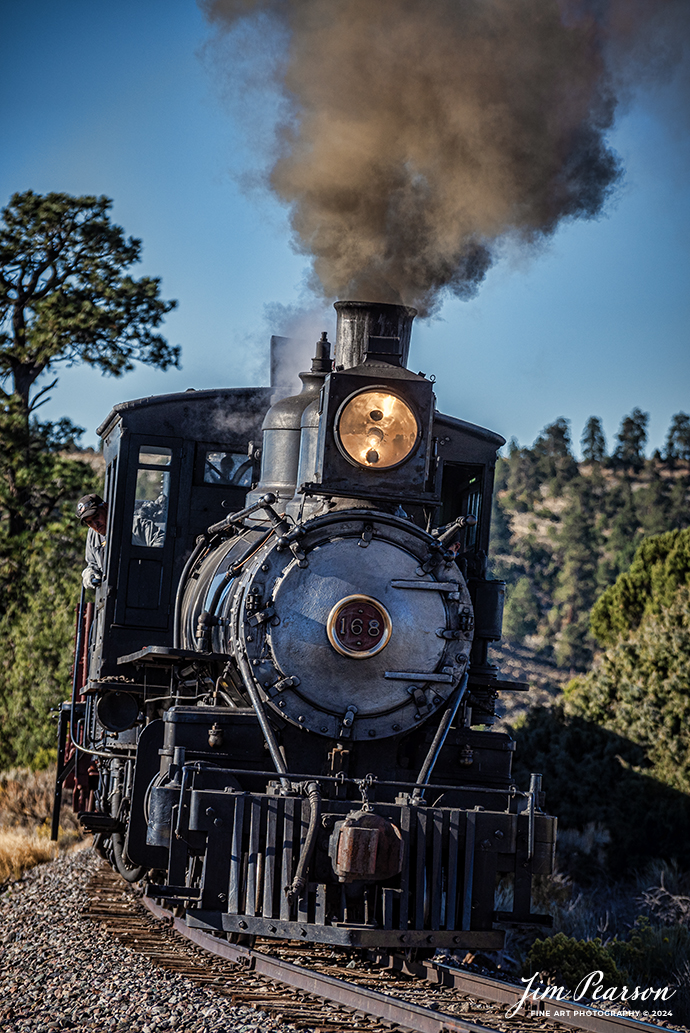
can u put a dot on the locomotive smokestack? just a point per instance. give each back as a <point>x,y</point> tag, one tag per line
<point>372,328</point>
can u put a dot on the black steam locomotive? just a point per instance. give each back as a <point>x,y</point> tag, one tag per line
<point>282,701</point>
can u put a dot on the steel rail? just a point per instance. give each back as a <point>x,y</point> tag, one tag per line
<point>580,1014</point>
<point>335,991</point>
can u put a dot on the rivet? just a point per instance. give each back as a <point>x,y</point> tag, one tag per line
<point>437,699</point>
<point>265,567</point>
<point>372,732</point>
<point>396,728</point>
<point>417,717</point>
<point>242,925</point>
<point>301,717</point>
<point>281,703</point>
<point>324,728</point>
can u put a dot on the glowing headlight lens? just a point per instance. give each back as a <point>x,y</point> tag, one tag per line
<point>377,429</point>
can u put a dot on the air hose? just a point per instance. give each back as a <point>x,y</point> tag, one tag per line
<point>299,883</point>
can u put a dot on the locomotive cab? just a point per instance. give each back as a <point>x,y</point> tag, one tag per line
<point>172,463</point>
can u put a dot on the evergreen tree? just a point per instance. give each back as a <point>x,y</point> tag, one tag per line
<point>65,296</point>
<point>578,548</point>
<point>522,480</point>
<point>500,528</point>
<point>521,614</point>
<point>660,567</point>
<point>593,441</point>
<point>37,637</point>
<point>555,460</point>
<point>625,533</point>
<point>653,501</point>
<point>678,438</point>
<point>678,508</point>
<point>640,686</point>
<point>632,438</point>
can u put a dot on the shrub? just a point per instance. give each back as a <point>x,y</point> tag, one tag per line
<point>659,568</point>
<point>566,961</point>
<point>640,689</point>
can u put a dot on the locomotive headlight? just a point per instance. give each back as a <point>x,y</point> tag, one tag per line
<point>377,429</point>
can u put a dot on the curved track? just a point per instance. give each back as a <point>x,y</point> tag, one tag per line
<point>314,988</point>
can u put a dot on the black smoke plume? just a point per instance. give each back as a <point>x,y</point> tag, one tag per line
<point>417,135</point>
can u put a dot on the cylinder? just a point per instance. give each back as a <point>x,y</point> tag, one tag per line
<point>360,320</point>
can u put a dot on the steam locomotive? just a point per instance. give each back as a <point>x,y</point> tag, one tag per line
<point>282,703</point>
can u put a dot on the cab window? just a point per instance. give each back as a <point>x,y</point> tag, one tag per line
<point>149,522</point>
<point>234,468</point>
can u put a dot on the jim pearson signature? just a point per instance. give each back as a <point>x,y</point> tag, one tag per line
<point>592,988</point>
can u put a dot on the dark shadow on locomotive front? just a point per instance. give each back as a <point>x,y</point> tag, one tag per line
<point>282,704</point>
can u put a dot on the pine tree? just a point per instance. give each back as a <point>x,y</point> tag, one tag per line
<point>632,438</point>
<point>555,461</point>
<point>578,549</point>
<point>521,614</point>
<point>625,532</point>
<point>65,296</point>
<point>678,438</point>
<point>593,441</point>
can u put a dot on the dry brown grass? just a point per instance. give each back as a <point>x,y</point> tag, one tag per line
<point>26,800</point>
<point>21,850</point>
<point>26,797</point>
<point>26,806</point>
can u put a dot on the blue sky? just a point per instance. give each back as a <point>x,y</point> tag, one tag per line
<point>121,99</point>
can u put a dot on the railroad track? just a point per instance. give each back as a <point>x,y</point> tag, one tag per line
<point>315,988</point>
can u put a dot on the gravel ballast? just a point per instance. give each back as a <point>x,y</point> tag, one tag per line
<point>59,970</point>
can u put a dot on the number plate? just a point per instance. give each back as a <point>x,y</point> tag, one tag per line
<point>358,626</point>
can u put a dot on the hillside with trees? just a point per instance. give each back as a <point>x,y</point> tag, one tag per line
<point>615,750</point>
<point>639,686</point>
<point>564,530</point>
<point>596,554</point>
